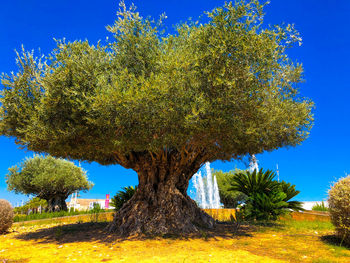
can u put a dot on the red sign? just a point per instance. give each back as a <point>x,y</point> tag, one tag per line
<point>107,196</point>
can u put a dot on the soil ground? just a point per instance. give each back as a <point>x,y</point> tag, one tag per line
<point>286,241</point>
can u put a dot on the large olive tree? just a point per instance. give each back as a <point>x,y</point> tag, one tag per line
<point>162,105</point>
<point>48,178</point>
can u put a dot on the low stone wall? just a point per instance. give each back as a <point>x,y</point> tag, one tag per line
<point>218,214</point>
<point>225,215</point>
<point>222,214</point>
<point>101,217</point>
<point>311,216</point>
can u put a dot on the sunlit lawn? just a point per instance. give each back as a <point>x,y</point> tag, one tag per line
<point>287,241</point>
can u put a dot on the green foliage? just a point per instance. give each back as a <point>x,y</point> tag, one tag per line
<point>290,192</point>
<point>32,204</point>
<point>254,182</point>
<point>267,199</point>
<point>95,212</point>
<point>48,178</point>
<point>123,196</point>
<point>237,220</point>
<point>96,208</point>
<point>46,215</point>
<point>230,199</point>
<point>223,87</point>
<point>339,208</point>
<point>300,225</point>
<point>320,207</point>
<point>265,207</point>
<point>6,215</point>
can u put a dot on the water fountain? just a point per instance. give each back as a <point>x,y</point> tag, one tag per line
<point>206,187</point>
<point>207,190</point>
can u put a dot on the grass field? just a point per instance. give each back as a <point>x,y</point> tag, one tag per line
<point>286,241</point>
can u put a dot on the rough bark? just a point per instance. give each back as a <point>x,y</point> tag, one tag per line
<point>57,203</point>
<point>161,204</point>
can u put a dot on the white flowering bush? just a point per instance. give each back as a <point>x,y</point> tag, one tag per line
<point>339,208</point>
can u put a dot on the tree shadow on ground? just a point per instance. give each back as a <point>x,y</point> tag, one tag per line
<point>90,232</point>
<point>4,260</point>
<point>335,241</point>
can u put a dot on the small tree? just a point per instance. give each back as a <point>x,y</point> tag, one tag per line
<point>267,199</point>
<point>32,204</point>
<point>48,178</point>
<point>162,105</point>
<point>123,196</point>
<point>230,198</point>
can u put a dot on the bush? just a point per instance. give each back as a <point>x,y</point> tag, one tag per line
<point>31,205</point>
<point>95,212</point>
<point>267,199</point>
<point>123,196</point>
<point>320,207</point>
<point>6,215</point>
<point>339,208</point>
<point>47,215</point>
<point>230,199</point>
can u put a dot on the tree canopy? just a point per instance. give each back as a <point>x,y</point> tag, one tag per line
<point>162,104</point>
<point>226,87</point>
<point>48,178</point>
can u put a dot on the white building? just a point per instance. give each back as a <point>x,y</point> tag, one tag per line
<point>307,205</point>
<point>86,204</point>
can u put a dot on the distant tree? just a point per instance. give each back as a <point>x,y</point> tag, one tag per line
<point>229,198</point>
<point>123,196</point>
<point>47,178</point>
<point>162,105</point>
<point>32,204</point>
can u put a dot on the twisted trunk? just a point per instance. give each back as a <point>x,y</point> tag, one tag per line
<point>57,203</point>
<point>161,204</point>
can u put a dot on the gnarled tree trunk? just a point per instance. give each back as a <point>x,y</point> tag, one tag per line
<point>57,203</point>
<point>161,204</point>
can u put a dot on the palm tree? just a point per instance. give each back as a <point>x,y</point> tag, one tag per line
<point>267,198</point>
<point>123,196</point>
<point>290,192</point>
<point>248,182</point>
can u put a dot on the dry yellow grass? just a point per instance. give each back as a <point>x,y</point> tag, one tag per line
<point>291,242</point>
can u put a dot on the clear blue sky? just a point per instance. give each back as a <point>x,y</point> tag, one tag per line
<point>325,29</point>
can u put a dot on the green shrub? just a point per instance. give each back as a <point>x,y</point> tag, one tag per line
<point>267,199</point>
<point>123,196</point>
<point>290,192</point>
<point>229,198</point>
<point>96,208</point>
<point>319,207</point>
<point>6,215</point>
<point>33,205</point>
<point>265,206</point>
<point>95,212</point>
<point>21,218</point>
<point>339,208</point>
